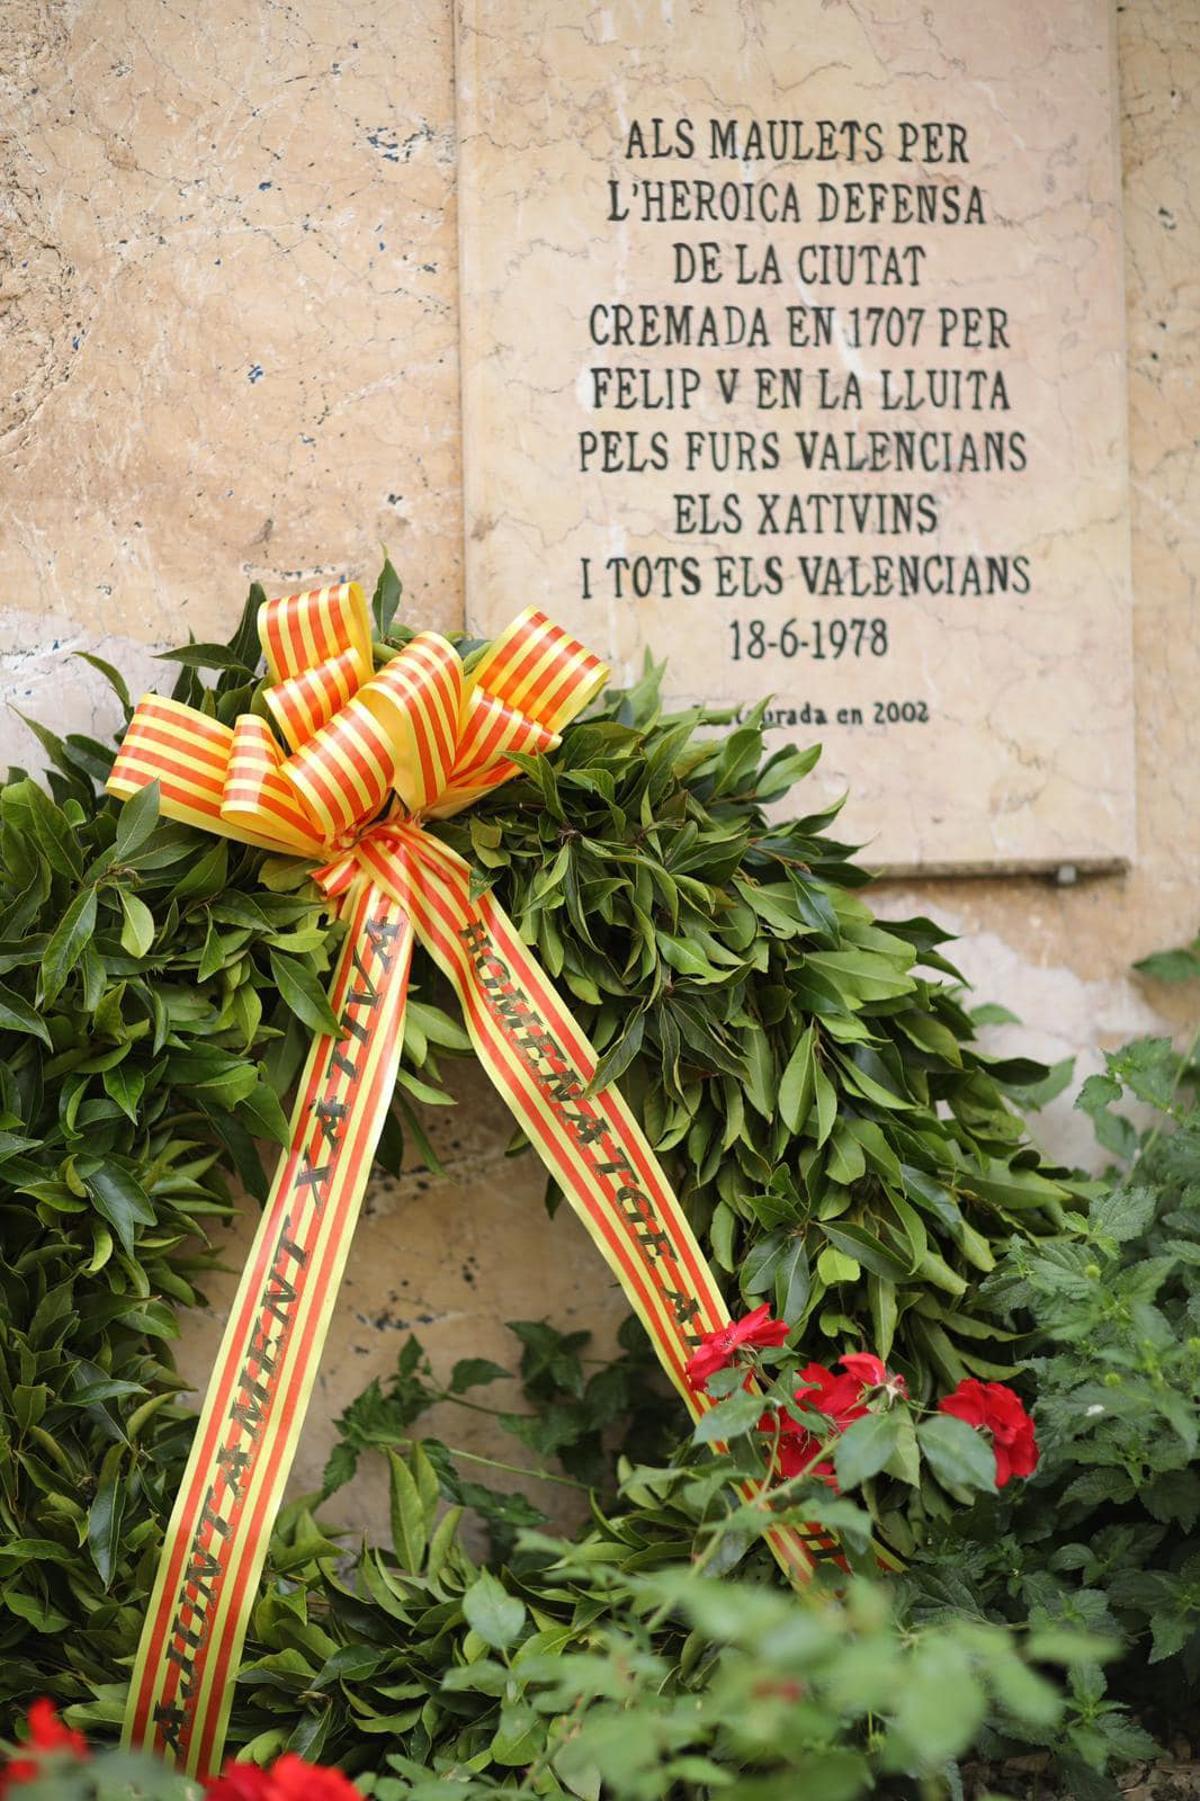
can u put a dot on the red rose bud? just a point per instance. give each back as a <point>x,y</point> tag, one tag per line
<point>997,1411</point>
<point>718,1349</point>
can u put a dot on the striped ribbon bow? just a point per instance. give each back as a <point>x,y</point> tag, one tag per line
<point>372,756</point>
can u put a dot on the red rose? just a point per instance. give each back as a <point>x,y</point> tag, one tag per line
<point>718,1349</point>
<point>46,1733</point>
<point>869,1370</point>
<point>796,1449</point>
<point>288,1779</point>
<point>997,1411</point>
<point>839,1398</point>
<point>240,1782</point>
<point>294,1780</point>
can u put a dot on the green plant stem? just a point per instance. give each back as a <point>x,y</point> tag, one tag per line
<point>515,1469</point>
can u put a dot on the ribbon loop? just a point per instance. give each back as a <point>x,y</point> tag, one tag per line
<point>491,732</point>
<point>417,699</point>
<point>343,775</point>
<point>254,788</point>
<point>418,728</point>
<point>303,703</point>
<point>540,669</point>
<point>298,631</point>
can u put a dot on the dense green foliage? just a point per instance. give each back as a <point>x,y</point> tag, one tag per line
<point>1105,1536</point>
<point>812,1081</point>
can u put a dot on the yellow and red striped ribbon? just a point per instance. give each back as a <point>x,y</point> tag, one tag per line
<point>371,755</point>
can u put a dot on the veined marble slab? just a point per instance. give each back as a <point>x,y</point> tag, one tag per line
<point>792,351</point>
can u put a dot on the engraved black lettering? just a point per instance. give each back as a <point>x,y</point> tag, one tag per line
<point>202,1574</point>
<point>210,1516</point>
<point>588,1129</point>
<point>475,938</point>
<point>288,1248</point>
<point>185,1662</point>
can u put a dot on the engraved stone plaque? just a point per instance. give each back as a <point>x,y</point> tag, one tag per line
<point>792,345</point>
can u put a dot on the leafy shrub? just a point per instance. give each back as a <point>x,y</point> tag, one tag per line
<point>1105,1536</point>
<point>619,1663</point>
<point>688,1683</point>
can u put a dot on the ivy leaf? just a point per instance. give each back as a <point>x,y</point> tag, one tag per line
<point>687,958</point>
<point>386,599</point>
<point>303,994</point>
<point>796,1085</point>
<point>826,1105</point>
<point>940,1702</point>
<point>408,1515</point>
<point>263,1114</point>
<point>793,1281</point>
<point>340,1467</point>
<point>125,1083</point>
<point>492,1612</point>
<point>616,1060</point>
<point>1172,966</point>
<point>205,656</point>
<point>1149,1068</point>
<point>245,644</point>
<point>1124,1214</point>
<point>863,1246</point>
<point>728,1419</point>
<point>475,1372</point>
<point>53,832</point>
<point>113,677</point>
<point>137,931</point>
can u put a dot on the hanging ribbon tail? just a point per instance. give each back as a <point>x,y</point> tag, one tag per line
<point>253,1414</point>
<point>542,1064</point>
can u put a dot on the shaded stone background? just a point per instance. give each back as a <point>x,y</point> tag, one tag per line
<point>228,339</point>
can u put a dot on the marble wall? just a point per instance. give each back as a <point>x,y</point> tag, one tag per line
<point>228,326</point>
<point>228,298</point>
